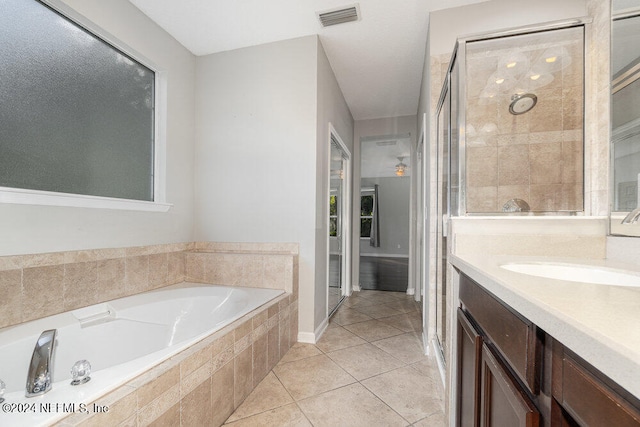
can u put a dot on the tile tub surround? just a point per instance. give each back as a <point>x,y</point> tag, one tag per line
<point>40,285</point>
<point>272,266</point>
<point>204,384</point>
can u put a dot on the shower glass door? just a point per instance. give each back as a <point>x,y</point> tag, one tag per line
<point>524,120</point>
<point>444,128</point>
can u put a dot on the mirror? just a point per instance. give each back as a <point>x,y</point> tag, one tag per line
<point>625,117</point>
<point>338,227</point>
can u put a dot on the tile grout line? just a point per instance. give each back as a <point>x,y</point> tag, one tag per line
<point>327,353</point>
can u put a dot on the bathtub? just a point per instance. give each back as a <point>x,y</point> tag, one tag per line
<point>121,339</point>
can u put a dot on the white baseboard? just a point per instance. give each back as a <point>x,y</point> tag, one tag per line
<point>425,343</point>
<point>411,291</point>
<point>307,337</point>
<point>312,338</point>
<point>356,288</point>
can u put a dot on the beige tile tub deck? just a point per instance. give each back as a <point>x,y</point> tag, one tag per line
<point>202,385</point>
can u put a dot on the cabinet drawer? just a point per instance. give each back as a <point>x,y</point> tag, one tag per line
<point>515,337</point>
<point>591,402</point>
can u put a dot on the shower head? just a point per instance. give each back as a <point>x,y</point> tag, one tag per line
<point>522,102</point>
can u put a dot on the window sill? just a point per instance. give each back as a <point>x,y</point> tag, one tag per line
<point>49,198</point>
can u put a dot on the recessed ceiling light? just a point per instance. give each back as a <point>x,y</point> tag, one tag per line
<point>551,59</point>
<point>535,77</point>
<point>499,81</point>
<point>511,64</point>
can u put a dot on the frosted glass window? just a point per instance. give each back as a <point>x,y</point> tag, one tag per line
<point>76,114</point>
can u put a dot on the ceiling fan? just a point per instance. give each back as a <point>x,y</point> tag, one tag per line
<point>400,167</point>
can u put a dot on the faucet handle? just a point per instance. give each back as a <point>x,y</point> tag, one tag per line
<point>80,372</point>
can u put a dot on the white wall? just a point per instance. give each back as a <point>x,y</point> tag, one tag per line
<point>36,229</point>
<point>261,135</point>
<point>332,108</point>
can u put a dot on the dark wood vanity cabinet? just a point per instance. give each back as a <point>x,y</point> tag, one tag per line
<point>498,362</point>
<point>511,373</point>
<point>583,396</point>
<point>469,363</point>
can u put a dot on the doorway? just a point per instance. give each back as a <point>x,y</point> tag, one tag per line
<point>385,183</point>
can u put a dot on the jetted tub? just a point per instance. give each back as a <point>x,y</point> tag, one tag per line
<point>121,339</point>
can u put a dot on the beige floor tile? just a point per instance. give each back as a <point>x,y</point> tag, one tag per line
<point>405,306</point>
<point>373,330</point>
<point>359,302</point>
<point>406,347</point>
<point>351,406</point>
<point>347,316</point>
<point>434,420</point>
<point>406,322</point>
<point>300,351</point>
<point>383,297</point>
<point>409,393</point>
<point>427,366</point>
<point>377,311</point>
<point>289,416</point>
<point>336,338</point>
<point>269,394</point>
<point>311,376</point>
<point>364,361</point>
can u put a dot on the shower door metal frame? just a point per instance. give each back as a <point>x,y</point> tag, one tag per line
<point>443,210</point>
<point>459,54</point>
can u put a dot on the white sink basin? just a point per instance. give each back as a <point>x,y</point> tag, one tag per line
<point>577,273</point>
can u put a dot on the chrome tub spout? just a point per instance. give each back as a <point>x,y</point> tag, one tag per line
<point>41,366</point>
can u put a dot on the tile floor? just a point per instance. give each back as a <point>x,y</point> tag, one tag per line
<point>367,370</point>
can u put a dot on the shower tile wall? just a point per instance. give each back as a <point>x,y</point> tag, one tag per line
<point>536,156</point>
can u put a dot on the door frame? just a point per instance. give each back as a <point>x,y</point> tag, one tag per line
<point>345,222</point>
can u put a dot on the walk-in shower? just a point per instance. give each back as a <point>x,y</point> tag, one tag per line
<point>510,122</point>
<point>521,128</point>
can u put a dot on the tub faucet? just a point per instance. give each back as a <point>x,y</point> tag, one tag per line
<point>632,217</point>
<point>41,366</point>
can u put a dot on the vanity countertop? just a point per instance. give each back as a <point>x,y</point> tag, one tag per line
<point>600,323</point>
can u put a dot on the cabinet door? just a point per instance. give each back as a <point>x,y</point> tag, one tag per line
<point>469,354</point>
<point>503,402</point>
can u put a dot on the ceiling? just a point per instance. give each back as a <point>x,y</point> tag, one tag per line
<point>377,60</point>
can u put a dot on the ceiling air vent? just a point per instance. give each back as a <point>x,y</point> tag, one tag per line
<point>339,16</point>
